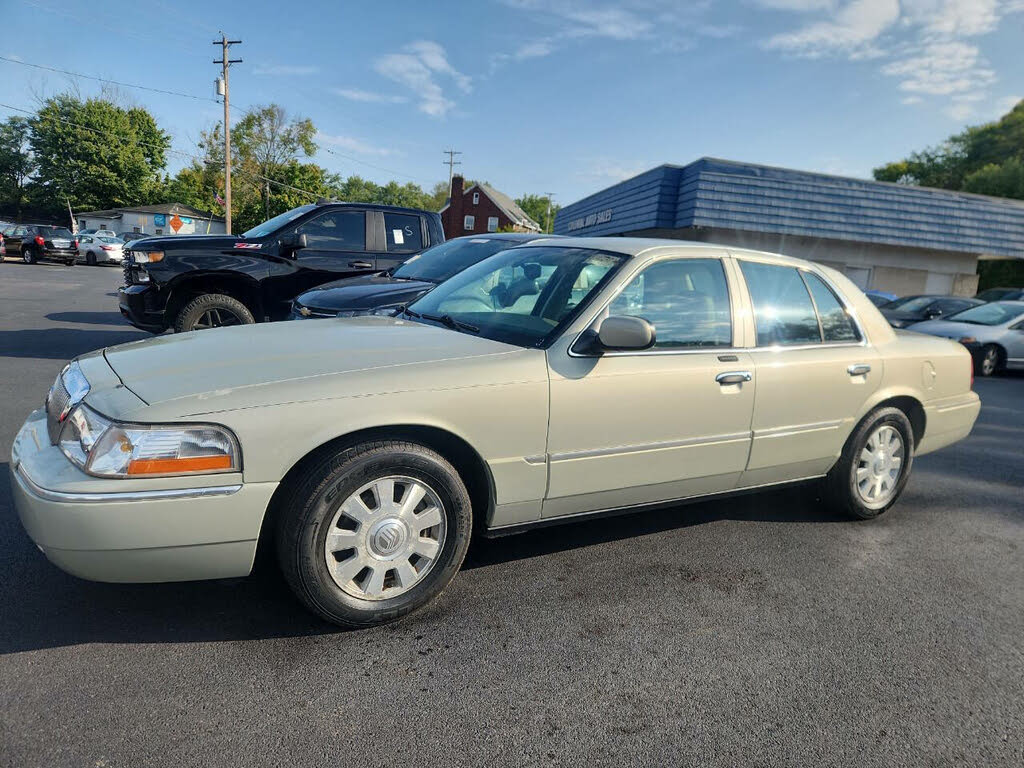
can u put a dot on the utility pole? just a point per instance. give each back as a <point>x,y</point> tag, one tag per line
<point>226,63</point>
<point>549,222</point>
<point>451,162</point>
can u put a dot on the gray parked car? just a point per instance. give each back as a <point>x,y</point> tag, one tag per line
<point>993,332</point>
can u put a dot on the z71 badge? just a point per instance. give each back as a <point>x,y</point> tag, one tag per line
<point>248,245</point>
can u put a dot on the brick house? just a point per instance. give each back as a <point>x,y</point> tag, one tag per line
<point>482,209</point>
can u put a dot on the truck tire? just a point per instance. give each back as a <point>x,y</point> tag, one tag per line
<point>212,310</point>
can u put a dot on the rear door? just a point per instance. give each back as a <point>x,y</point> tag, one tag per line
<point>814,372</point>
<point>15,240</point>
<point>401,236</point>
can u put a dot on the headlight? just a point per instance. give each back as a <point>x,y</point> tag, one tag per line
<point>107,448</point>
<point>148,257</point>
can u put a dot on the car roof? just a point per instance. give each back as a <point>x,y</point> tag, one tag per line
<point>636,246</point>
<point>374,207</point>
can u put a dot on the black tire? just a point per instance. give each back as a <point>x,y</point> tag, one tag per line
<point>90,259</point>
<point>310,508</point>
<point>841,489</point>
<point>212,310</point>
<point>28,255</point>
<point>989,361</point>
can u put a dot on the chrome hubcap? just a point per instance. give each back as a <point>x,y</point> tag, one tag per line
<point>385,538</point>
<point>880,465</point>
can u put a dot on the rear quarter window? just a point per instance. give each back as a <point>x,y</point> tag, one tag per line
<point>404,233</point>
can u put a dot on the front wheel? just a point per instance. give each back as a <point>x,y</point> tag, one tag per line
<point>874,466</point>
<point>374,532</point>
<point>29,255</point>
<point>212,310</point>
<point>988,360</point>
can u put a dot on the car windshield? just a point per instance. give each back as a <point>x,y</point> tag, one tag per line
<point>522,296</point>
<point>271,225</point>
<point>995,313</point>
<point>111,240</point>
<point>449,258</point>
<point>911,303</point>
<point>56,232</point>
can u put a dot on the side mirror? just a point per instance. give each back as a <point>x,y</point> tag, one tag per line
<point>293,241</point>
<point>618,333</point>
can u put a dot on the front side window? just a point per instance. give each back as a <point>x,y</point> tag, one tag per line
<point>522,296</point>
<point>469,222</point>
<point>336,231</point>
<point>686,300</point>
<point>403,232</point>
<point>492,223</point>
<point>783,312</point>
<point>836,323</point>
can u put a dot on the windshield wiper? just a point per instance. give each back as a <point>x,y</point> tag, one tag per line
<point>451,322</point>
<point>404,310</point>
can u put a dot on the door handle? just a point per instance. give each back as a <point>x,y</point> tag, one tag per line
<point>361,264</point>
<point>733,377</point>
<point>860,369</point>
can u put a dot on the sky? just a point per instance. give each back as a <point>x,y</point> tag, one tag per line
<point>544,96</point>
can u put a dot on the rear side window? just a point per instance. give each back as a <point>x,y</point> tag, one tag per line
<point>404,233</point>
<point>686,300</point>
<point>783,312</point>
<point>336,231</point>
<point>836,323</point>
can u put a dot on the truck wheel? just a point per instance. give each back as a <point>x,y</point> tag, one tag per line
<point>874,466</point>
<point>212,310</point>
<point>29,255</point>
<point>374,532</point>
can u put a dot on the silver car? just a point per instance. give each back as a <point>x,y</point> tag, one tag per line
<point>993,332</point>
<point>549,383</point>
<point>100,249</point>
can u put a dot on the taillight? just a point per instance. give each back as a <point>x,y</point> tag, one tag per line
<point>39,240</point>
<point>74,243</point>
<point>107,247</point>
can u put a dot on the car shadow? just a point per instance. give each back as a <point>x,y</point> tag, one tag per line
<point>61,343</point>
<point>46,608</point>
<point>88,318</point>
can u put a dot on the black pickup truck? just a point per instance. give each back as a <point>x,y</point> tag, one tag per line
<point>188,282</point>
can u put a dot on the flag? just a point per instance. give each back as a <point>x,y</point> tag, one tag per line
<point>219,199</point>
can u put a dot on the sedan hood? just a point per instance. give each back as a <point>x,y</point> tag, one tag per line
<point>267,363</point>
<point>364,292</point>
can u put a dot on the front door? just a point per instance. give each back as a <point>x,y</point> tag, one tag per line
<point>660,424</point>
<point>814,372</point>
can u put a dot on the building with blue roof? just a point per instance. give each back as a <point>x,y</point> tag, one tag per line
<point>891,237</point>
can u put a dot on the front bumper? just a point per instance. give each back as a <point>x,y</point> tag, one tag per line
<point>140,306</point>
<point>180,529</point>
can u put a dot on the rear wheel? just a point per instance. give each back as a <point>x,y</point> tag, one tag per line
<point>28,255</point>
<point>90,259</point>
<point>212,310</point>
<point>374,532</point>
<point>874,466</point>
<point>988,361</point>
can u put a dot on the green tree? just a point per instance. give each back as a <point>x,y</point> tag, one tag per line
<point>265,140</point>
<point>536,207</point>
<point>984,158</point>
<point>17,164</point>
<point>96,154</point>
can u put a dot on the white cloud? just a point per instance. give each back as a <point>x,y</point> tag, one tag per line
<point>1005,104</point>
<point>604,169</point>
<point>926,44</point>
<point>355,94</point>
<point>285,69</point>
<point>417,68</point>
<point>353,144</point>
<point>614,22</point>
<point>853,27</point>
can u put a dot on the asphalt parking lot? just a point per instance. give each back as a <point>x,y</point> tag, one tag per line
<point>756,631</point>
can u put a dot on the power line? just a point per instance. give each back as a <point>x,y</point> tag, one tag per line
<point>451,162</point>
<point>106,80</point>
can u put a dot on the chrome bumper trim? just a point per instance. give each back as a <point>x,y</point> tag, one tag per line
<point>106,498</point>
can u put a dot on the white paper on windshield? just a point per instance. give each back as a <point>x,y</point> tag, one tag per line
<point>399,238</point>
